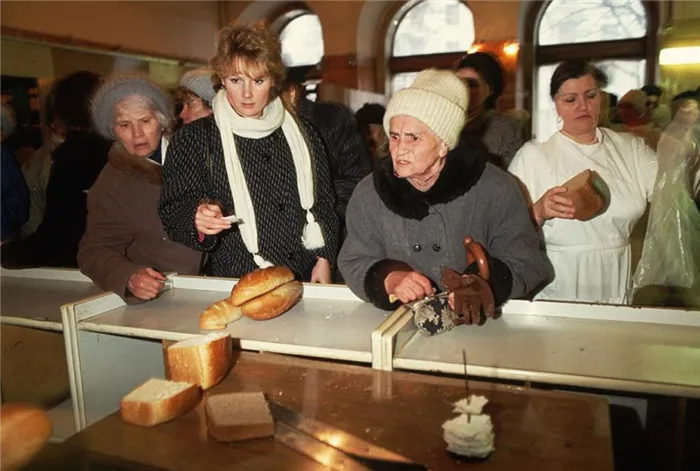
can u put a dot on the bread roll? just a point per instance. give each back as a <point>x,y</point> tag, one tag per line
<point>259,282</point>
<point>157,401</point>
<point>203,360</point>
<point>216,316</point>
<point>589,194</point>
<point>274,303</point>
<point>238,416</point>
<point>24,430</point>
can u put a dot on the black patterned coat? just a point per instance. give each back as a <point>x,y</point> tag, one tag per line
<point>195,171</point>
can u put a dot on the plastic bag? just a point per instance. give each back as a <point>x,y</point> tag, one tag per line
<point>671,252</point>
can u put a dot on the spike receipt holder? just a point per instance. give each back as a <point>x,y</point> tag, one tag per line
<point>466,383</point>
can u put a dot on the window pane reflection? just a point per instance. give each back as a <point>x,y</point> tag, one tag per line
<point>302,41</point>
<point>433,27</point>
<point>567,22</point>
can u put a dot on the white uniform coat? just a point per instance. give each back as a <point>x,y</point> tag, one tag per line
<point>591,259</point>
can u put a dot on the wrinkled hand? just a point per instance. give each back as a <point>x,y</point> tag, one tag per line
<point>208,219</point>
<point>408,286</point>
<point>553,205</point>
<point>321,272</point>
<point>146,283</point>
<point>469,294</point>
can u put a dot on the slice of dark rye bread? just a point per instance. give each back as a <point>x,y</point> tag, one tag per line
<point>234,417</point>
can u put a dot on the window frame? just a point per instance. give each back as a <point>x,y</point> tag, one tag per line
<point>283,17</point>
<point>418,62</point>
<point>533,55</point>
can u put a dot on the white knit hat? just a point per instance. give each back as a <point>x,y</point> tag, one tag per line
<point>202,82</point>
<point>438,99</point>
<point>120,86</point>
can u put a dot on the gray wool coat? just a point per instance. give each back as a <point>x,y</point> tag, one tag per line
<point>392,226</point>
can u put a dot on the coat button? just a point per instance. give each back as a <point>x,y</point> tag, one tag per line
<point>436,247</point>
<point>416,248</point>
<point>291,256</point>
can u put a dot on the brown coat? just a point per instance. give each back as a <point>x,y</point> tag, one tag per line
<point>123,232</point>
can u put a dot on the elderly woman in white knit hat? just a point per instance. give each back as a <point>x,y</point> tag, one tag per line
<point>409,221</point>
<point>125,249</point>
<point>250,185</point>
<point>197,90</point>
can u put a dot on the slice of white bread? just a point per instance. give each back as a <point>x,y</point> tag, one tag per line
<point>157,401</point>
<point>204,360</point>
<point>233,417</point>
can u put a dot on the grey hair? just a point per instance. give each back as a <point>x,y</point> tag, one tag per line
<point>142,102</point>
<point>118,88</point>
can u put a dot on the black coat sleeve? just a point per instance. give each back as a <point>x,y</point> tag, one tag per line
<point>186,185</point>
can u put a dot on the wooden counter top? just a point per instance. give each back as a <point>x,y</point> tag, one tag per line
<point>535,430</point>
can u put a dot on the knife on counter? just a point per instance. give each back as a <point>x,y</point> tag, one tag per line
<point>332,447</point>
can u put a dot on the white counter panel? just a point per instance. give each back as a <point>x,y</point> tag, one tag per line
<point>321,324</point>
<point>630,356</point>
<point>33,298</point>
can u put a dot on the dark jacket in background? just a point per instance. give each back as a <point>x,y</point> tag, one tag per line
<point>497,136</point>
<point>15,196</point>
<point>347,154</point>
<point>77,163</point>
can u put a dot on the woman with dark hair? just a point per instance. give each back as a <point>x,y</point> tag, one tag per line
<point>369,120</point>
<point>498,136</point>
<point>591,259</point>
<point>250,184</point>
<point>76,164</point>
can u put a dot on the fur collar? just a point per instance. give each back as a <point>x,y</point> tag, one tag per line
<point>136,167</point>
<point>462,170</point>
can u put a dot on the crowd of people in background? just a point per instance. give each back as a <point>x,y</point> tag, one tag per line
<point>237,169</point>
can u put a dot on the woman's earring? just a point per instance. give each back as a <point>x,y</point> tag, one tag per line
<point>559,119</point>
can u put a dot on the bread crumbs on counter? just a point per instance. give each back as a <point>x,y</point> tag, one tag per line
<point>366,430</point>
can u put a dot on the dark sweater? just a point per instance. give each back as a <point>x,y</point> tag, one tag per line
<point>195,171</point>
<point>77,164</point>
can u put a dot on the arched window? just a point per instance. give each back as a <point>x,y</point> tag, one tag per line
<point>617,35</point>
<point>302,40</point>
<point>426,33</point>
<point>300,33</point>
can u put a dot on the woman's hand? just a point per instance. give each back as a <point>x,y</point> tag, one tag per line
<point>146,283</point>
<point>321,272</point>
<point>553,205</point>
<point>408,286</point>
<point>208,219</point>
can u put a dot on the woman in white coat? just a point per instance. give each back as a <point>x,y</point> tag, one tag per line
<point>591,259</point>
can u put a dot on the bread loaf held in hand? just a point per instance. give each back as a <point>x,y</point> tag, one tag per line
<point>266,293</point>
<point>589,193</point>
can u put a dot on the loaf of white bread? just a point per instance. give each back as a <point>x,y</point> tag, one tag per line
<point>194,365</point>
<point>203,360</point>
<point>24,430</point>
<point>260,295</point>
<point>234,417</point>
<point>158,401</point>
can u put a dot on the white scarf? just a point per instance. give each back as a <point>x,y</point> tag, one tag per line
<point>274,115</point>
